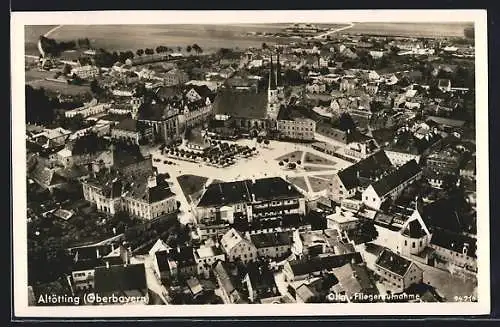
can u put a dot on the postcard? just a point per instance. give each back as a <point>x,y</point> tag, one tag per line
<point>250,163</point>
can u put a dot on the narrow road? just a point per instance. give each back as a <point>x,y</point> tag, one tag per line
<point>333,31</point>
<point>47,35</point>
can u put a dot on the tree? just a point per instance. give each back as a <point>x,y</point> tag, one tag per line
<point>139,52</point>
<point>188,49</point>
<point>264,46</point>
<point>66,69</point>
<point>39,107</point>
<point>179,49</point>
<point>94,87</point>
<point>298,162</point>
<point>281,163</point>
<point>266,142</point>
<point>197,48</point>
<point>149,51</point>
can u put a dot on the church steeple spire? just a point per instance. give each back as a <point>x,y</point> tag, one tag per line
<point>272,79</point>
<point>278,69</point>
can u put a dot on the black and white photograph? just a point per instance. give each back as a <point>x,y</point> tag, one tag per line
<point>205,164</point>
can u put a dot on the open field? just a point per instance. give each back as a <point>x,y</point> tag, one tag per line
<point>214,37</point>
<point>35,74</point>
<point>292,156</point>
<point>299,182</point>
<point>63,88</point>
<point>132,37</point>
<point>191,184</point>
<point>315,159</point>
<point>410,29</point>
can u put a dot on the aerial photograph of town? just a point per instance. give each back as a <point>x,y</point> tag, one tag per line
<point>250,164</point>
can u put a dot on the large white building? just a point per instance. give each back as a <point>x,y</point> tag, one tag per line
<point>298,128</point>
<point>87,110</point>
<point>237,247</point>
<point>265,201</point>
<point>145,197</point>
<point>85,72</point>
<point>391,185</point>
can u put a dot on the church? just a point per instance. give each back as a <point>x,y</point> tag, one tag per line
<point>253,112</point>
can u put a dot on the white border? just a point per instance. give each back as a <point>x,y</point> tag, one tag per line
<point>20,19</point>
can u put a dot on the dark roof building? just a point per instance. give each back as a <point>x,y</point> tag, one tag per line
<point>354,278</point>
<point>220,194</point>
<point>266,240</point>
<point>246,191</point>
<point>156,112</point>
<point>365,171</point>
<point>274,188</point>
<point>241,104</point>
<point>392,262</point>
<point>389,182</point>
<point>320,263</point>
<point>455,242</point>
<point>122,280</point>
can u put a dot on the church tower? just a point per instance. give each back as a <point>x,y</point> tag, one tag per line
<point>273,103</point>
<point>279,82</point>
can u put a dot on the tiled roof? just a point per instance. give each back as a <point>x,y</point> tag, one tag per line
<point>390,181</point>
<point>274,188</point>
<point>319,263</point>
<point>414,229</point>
<point>220,194</point>
<point>157,112</point>
<point>262,280</point>
<point>355,279</point>
<point>167,92</point>
<point>454,242</point>
<point>128,124</point>
<point>162,260</point>
<point>306,293</point>
<point>241,104</point>
<point>231,239</point>
<point>265,240</point>
<point>225,281</point>
<point>372,166</point>
<point>393,262</point>
<point>119,279</point>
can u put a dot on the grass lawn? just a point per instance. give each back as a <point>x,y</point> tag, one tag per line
<point>35,74</point>
<point>63,88</point>
<point>194,197</point>
<point>315,159</point>
<point>191,184</point>
<point>292,156</point>
<point>313,168</point>
<point>327,176</point>
<point>300,182</point>
<point>318,184</point>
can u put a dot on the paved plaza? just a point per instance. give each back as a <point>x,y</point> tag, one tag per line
<point>262,164</point>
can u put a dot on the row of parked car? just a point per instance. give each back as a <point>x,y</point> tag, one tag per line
<point>166,162</point>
